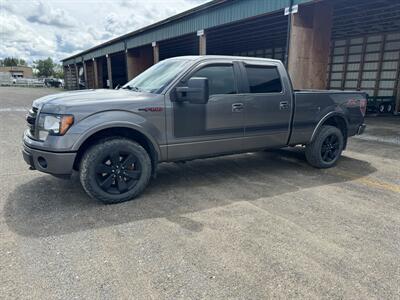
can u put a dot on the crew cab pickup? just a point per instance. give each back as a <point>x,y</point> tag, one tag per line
<point>180,109</point>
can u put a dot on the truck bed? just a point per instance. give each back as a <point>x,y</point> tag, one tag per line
<point>312,106</point>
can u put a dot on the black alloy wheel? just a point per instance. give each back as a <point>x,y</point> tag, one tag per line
<point>330,148</point>
<point>326,148</point>
<point>118,172</point>
<point>115,170</point>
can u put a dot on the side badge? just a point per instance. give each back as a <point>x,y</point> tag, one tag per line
<point>151,109</point>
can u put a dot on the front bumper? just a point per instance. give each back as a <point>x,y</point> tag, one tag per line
<point>361,129</point>
<point>49,162</point>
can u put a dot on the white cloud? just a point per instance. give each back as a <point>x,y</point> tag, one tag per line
<point>43,13</point>
<point>7,6</point>
<point>38,29</point>
<point>139,13</point>
<point>75,40</point>
<point>18,39</point>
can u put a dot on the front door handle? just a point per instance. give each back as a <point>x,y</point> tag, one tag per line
<point>237,107</point>
<point>283,105</point>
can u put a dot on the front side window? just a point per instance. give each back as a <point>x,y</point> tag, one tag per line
<point>221,79</point>
<point>264,79</point>
<point>157,77</point>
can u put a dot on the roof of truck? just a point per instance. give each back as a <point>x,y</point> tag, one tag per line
<point>227,57</point>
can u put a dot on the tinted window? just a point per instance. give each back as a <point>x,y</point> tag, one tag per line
<point>264,79</point>
<point>220,79</point>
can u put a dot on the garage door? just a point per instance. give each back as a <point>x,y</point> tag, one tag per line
<point>367,63</point>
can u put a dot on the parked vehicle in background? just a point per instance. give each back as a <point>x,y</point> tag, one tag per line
<point>181,109</point>
<point>6,78</point>
<point>54,82</point>
<point>381,105</point>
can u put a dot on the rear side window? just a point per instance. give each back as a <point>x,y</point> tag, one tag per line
<point>264,79</point>
<point>221,79</point>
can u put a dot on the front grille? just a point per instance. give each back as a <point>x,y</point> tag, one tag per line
<point>31,119</point>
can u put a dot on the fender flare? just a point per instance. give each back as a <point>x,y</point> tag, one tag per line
<point>113,124</point>
<point>326,117</point>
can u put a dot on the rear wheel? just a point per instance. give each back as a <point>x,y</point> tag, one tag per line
<point>326,148</point>
<point>382,108</point>
<point>115,170</point>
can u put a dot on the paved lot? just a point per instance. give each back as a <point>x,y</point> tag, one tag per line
<point>245,226</point>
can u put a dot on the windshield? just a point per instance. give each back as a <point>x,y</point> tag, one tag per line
<point>156,78</point>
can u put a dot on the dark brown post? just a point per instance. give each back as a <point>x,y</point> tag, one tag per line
<point>85,74</point>
<point>156,52</point>
<point>309,45</point>
<point>95,74</point>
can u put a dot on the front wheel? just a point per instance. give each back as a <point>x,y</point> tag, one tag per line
<point>115,170</point>
<point>326,148</point>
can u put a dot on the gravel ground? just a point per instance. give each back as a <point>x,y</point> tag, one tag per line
<point>250,226</point>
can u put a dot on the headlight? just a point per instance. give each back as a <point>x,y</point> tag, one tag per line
<point>54,124</point>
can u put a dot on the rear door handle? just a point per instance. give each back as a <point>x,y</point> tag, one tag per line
<point>283,105</point>
<point>237,107</point>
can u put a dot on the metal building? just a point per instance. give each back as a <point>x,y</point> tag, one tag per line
<point>18,71</point>
<point>334,44</point>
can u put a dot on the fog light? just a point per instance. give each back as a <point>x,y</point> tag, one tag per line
<point>42,162</point>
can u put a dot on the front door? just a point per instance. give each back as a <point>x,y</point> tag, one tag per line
<point>213,128</point>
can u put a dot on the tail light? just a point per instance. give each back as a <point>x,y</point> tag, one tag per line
<point>363,106</point>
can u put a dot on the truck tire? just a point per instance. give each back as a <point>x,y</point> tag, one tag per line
<point>115,170</point>
<point>326,148</point>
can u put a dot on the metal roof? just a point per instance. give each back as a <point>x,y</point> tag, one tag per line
<point>208,15</point>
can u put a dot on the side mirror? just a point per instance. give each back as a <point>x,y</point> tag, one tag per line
<point>195,92</point>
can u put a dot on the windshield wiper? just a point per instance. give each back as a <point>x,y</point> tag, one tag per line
<point>132,88</point>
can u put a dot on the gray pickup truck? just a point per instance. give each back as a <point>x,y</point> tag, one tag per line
<point>180,109</point>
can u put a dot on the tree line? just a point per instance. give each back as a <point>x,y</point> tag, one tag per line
<point>42,67</point>
<point>12,62</point>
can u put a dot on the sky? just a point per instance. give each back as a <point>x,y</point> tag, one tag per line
<point>37,29</point>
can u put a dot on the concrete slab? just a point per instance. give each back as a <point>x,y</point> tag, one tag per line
<point>382,129</point>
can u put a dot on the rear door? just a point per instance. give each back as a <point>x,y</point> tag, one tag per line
<point>206,129</point>
<point>268,105</point>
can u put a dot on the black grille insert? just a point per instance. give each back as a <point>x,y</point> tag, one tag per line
<point>31,119</point>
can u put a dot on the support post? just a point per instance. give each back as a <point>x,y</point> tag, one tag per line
<point>288,33</point>
<point>71,79</point>
<point>156,52</point>
<point>309,45</point>
<point>67,75</point>
<point>109,71</point>
<point>77,76</point>
<point>397,108</point>
<point>397,93</point>
<point>130,64</point>
<point>71,84</point>
<point>95,73</point>
<point>100,71</point>
<point>202,42</point>
<point>85,75</point>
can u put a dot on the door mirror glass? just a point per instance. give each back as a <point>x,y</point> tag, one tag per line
<point>196,91</point>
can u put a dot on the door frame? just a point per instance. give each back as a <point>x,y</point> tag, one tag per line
<point>204,145</point>
<point>261,140</point>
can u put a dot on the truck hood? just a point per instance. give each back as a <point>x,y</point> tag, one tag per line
<point>90,97</point>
